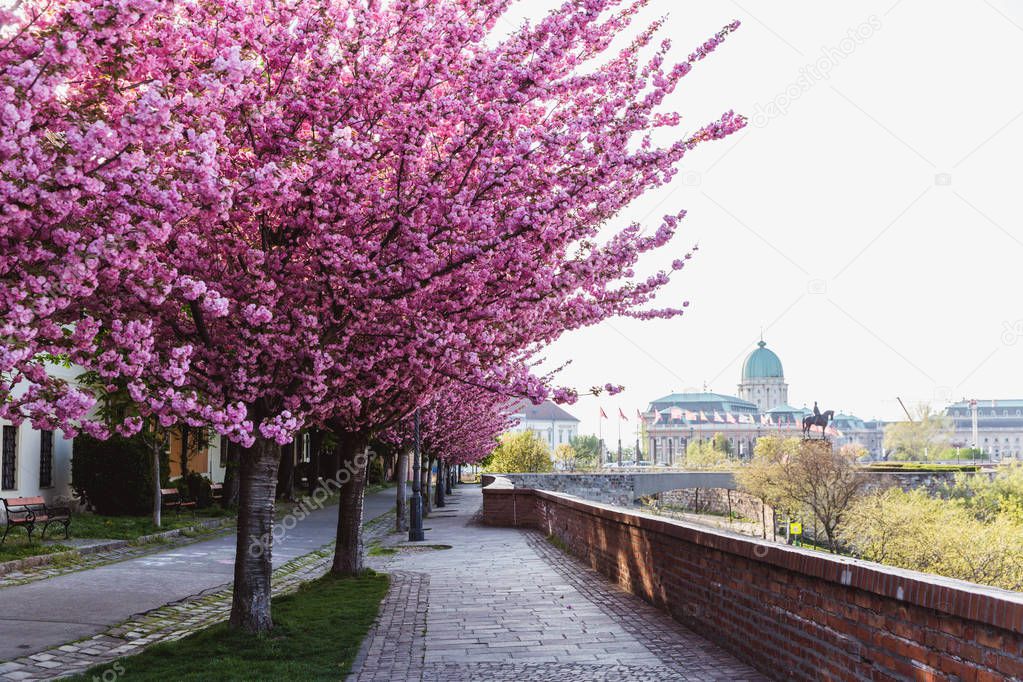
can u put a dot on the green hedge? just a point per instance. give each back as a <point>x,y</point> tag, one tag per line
<point>114,476</point>
<point>920,467</point>
<point>196,487</point>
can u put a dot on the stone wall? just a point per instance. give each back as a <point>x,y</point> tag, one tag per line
<point>931,481</point>
<point>793,613</point>
<point>608,488</point>
<point>716,501</point>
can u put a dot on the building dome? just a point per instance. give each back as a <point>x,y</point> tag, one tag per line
<point>761,364</point>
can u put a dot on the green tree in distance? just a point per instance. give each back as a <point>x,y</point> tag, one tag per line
<point>587,451</point>
<point>565,456</point>
<point>926,437</point>
<point>520,453</point>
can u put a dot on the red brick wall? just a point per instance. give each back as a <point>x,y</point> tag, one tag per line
<point>793,613</point>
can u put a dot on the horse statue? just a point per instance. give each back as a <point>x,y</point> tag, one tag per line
<point>811,420</point>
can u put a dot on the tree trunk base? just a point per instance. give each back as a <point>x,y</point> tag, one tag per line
<point>250,604</point>
<point>348,552</point>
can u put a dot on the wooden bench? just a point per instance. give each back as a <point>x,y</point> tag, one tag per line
<point>170,498</point>
<point>28,512</point>
<point>217,493</point>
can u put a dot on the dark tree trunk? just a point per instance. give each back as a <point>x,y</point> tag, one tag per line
<point>401,503</point>
<point>184,451</point>
<point>439,485</point>
<point>286,473</point>
<point>425,485</point>
<point>231,456</point>
<point>447,479</point>
<point>395,473</point>
<point>348,550</point>
<point>315,455</point>
<point>333,463</point>
<point>157,495</point>
<point>250,606</point>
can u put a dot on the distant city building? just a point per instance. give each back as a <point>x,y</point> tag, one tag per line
<point>763,380</point>
<point>999,426</point>
<point>552,424</point>
<point>760,409</point>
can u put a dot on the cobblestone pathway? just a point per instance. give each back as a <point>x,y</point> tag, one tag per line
<point>503,604</point>
<point>170,622</point>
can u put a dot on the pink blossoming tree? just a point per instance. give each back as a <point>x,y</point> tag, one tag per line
<point>264,215</point>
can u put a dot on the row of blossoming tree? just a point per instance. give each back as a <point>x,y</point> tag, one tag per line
<point>261,216</point>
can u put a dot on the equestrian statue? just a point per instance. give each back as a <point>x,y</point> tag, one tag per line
<point>817,419</point>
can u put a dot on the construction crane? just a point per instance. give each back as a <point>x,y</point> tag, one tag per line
<point>908,415</point>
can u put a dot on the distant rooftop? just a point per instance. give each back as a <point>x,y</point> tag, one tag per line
<point>996,403</point>
<point>698,401</point>
<point>545,411</point>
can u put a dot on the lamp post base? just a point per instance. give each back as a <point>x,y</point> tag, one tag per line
<point>415,526</point>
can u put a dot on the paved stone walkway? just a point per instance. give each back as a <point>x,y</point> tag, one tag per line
<point>503,604</point>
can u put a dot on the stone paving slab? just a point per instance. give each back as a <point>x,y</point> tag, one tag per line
<point>504,604</point>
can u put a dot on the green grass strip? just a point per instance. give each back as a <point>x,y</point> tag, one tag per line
<point>316,636</point>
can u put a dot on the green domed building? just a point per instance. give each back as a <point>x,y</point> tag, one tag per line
<point>763,379</point>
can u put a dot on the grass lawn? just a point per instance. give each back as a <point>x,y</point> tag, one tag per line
<point>17,546</point>
<point>131,527</point>
<point>316,636</point>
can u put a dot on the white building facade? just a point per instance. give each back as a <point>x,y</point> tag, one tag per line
<point>999,426</point>
<point>547,420</point>
<point>33,462</point>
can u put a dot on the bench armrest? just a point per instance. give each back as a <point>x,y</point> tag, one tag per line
<point>20,515</point>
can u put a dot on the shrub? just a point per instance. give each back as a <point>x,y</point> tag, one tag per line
<point>114,476</point>
<point>520,453</point>
<point>196,487</point>
<point>375,471</point>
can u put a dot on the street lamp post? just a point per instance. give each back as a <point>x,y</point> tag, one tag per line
<point>415,526</point>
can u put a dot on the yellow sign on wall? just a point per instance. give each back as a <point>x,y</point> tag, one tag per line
<point>795,528</point>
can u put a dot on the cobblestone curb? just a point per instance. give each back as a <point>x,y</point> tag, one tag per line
<point>169,622</point>
<point>397,634</point>
<point>31,569</point>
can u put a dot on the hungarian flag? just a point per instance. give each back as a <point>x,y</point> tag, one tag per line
<point>730,418</point>
<point>603,414</point>
<point>765,420</point>
<point>703,416</point>
<point>676,413</point>
<point>622,415</point>
<point>657,416</point>
<point>691,416</point>
<point>718,417</point>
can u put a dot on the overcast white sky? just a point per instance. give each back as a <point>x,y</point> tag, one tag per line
<point>873,229</point>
